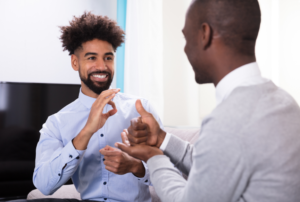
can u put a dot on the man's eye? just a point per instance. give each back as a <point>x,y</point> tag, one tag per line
<point>108,58</point>
<point>91,58</point>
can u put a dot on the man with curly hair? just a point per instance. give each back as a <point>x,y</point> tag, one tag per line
<point>78,141</point>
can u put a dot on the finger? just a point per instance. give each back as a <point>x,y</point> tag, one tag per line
<point>137,124</point>
<point>110,113</point>
<point>125,138</point>
<point>123,147</point>
<point>137,133</point>
<point>107,93</point>
<point>110,163</point>
<point>137,140</point>
<point>112,169</point>
<point>112,104</point>
<point>140,109</point>
<point>114,152</point>
<point>106,96</point>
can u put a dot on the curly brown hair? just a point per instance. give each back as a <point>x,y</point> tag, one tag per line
<point>88,27</point>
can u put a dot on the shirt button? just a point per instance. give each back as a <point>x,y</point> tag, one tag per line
<point>146,181</point>
<point>77,157</point>
<point>104,183</point>
<point>101,135</point>
<point>103,159</point>
<point>70,156</point>
<point>58,174</point>
<point>105,198</point>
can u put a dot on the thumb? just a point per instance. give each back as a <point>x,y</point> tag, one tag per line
<point>125,138</point>
<point>140,109</point>
<point>123,147</point>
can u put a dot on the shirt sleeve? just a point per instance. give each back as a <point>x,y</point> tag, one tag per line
<point>55,163</point>
<point>218,171</point>
<point>146,178</point>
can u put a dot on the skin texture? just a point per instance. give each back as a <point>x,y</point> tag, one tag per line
<point>95,56</point>
<point>211,60</point>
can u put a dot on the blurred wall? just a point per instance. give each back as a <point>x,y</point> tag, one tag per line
<point>277,51</point>
<point>30,47</point>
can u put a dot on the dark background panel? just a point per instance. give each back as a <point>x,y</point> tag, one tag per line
<point>27,107</point>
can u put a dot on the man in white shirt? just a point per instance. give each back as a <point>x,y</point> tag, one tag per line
<point>248,148</point>
<point>78,141</point>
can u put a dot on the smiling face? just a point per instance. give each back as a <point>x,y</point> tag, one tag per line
<point>95,63</point>
<point>195,48</point>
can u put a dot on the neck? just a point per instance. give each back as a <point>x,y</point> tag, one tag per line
<point>229,63</point>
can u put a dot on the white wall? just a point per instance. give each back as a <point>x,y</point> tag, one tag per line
<point>30,47</point>
<point>277,51</point>
<point>185,102</point>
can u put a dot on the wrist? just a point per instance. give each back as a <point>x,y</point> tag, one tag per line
<point>81,141</point>
<point>138,168</point>
<point>161,136</point>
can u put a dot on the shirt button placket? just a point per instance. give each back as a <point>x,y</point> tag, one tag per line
<point>103,143</point>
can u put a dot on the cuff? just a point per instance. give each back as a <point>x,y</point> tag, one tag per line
<point>146,178</point>
<point>70,155</point>
<point>165,142</point>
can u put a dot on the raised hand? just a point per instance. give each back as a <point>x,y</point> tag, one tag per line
<point>96,118</point>
<point>145,129</point>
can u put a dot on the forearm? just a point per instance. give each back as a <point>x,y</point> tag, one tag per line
<point>180,153</point>
<point>81,141</point>
<point>167,180</point>
<point>53,171</point>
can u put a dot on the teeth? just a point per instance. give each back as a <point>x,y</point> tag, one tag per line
<point>99,76</point>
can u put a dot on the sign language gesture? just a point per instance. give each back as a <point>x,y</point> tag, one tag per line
<point>144,134</point>
<point>145,129</point>
<point>96,118</point>
<point>120,162</point>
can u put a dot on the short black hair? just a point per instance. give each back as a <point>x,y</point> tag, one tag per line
<point>237,21</point>
<point>88,27</point>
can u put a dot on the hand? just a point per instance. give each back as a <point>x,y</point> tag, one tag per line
<point>120,162</point>
<point>96,118</point>
<point>145,129</point>
<point>139,151</point>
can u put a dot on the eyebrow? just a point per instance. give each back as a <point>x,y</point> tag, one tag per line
<point>109,53</point>
<point>91,53</point>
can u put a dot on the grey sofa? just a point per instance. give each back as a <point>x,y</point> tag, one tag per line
<point>69,191</point>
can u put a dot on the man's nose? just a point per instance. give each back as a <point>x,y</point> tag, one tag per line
<point>101,65</point>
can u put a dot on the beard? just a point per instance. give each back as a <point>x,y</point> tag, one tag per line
<point>97,87</point>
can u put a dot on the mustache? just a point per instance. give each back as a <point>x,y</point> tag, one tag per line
<point>100,72</point>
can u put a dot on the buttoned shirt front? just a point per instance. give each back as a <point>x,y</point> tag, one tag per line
<point>57,160</point>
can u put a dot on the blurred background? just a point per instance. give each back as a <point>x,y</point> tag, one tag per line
<point>154,65</point>
<point>36,77</point>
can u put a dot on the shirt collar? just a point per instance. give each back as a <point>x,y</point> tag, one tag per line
<point>86,100</point>
<point>238,77</point>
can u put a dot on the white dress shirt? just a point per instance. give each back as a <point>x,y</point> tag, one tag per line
<point>57,160</point>
<point>245,75</point>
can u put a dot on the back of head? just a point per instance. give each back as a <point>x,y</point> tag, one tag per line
<point>236,22</point>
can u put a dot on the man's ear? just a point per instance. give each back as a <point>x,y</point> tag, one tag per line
<point>205,35</point>
<point>74,62</point>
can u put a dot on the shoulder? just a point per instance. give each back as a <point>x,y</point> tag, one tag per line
<point>252,105</point>
<point>59,118</point>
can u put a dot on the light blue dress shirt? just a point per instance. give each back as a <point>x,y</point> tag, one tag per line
<point>57,160</point>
